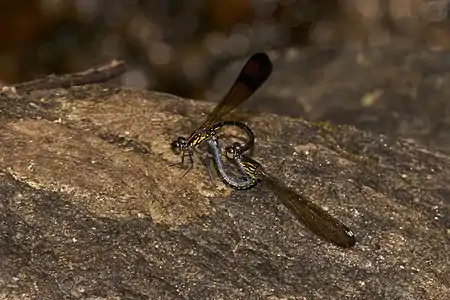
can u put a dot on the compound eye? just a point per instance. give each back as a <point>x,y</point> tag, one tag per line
<point>177,145</point>
<point>230,152</point>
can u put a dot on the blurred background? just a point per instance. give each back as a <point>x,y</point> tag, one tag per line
<point>359,62</point>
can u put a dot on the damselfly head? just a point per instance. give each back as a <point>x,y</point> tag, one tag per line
<point>232,152</point>
<point>178,145</point>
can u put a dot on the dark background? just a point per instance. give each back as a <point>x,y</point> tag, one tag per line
<point>179,46</point>
<point>85,213</point>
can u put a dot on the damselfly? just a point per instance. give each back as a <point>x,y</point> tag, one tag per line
<point>251,172</point>
<point>243,180</point>
<point>254,73</point>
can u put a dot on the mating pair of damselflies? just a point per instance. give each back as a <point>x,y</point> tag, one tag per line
<point>253,75</point>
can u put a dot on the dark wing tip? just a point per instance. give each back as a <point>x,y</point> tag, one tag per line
<point>256,71</point>
<point>263,61</point>
<point>348,240</point>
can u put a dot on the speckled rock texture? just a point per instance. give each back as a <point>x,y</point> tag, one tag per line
<point>91,209</point>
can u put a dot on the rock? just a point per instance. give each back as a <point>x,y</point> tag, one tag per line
<point>89,207</point>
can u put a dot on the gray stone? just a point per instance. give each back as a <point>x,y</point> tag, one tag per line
<point>90,209</point>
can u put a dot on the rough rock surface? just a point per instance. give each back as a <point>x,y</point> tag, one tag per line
<point>90,209</point>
